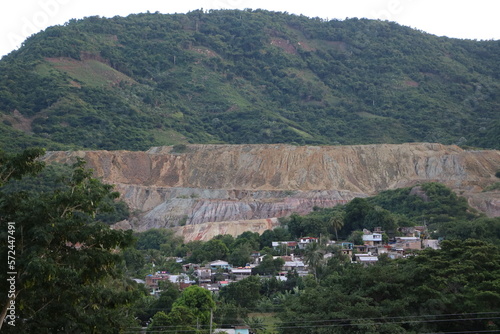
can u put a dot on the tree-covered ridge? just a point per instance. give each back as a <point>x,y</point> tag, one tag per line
<point>445,214</point>
<point>246,77</point>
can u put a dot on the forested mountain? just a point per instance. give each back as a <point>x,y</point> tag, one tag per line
<point>246,77</point>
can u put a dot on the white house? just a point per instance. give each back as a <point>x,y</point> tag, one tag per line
<point>303,242</point>
<point>182,278</point>
<point>290,245</point>
<point>241,273</point>
<point>372,239</point>
<point>366,258</point>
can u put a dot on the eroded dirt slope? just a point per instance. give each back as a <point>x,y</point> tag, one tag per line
<point>251,183</point>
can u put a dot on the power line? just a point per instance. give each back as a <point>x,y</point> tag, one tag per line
<point>157,329</point>
<point>489,331</point>
<point>406,317</point>
<point>383,323</point>
<point>409,317</point>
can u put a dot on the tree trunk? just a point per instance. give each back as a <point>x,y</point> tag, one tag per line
<point>5,310</point>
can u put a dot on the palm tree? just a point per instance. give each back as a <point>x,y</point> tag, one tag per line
<point>256,324</point>
<point>337,222</point>
<point>313,256</point>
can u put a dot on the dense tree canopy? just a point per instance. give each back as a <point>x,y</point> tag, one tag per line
<point>65,261</point>
<point>253,76</point>
<point>191,312</point>
<point>452,289</point>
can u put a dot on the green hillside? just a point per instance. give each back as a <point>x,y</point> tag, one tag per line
<point>246,77</point>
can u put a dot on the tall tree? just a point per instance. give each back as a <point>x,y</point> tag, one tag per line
<point>337,222</point>
<point>314,257</point>
<point>65,262</point>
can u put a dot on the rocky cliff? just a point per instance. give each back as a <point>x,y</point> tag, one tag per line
<point>250,185</point>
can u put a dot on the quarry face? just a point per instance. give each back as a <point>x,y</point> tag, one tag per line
<point>216,189</point>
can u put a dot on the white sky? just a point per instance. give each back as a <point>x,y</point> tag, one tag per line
<point>476,19</point>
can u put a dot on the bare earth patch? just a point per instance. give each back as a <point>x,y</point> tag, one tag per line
<point>411,83</point>
<point>18,121</point>
<point>284,45</point>
<point>206,52</point>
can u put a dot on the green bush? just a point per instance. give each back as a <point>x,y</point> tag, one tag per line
<point>179,148</point>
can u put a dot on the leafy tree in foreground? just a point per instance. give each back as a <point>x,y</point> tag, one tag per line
<point>65,274</point>
<point>17,166</point>
<point>244,293</point>
<point>190,313</point>
<point>169,294</point>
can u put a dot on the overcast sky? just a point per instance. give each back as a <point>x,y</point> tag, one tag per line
<point>476,19</point>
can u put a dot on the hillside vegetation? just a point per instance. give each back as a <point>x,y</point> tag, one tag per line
<point>246,77</point>
<point>446,215</point>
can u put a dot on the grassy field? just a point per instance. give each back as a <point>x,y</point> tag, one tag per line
<point>90,72</point>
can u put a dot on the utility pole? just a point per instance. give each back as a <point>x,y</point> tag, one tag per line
<point>211,319</point>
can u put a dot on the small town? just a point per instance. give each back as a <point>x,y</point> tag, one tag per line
<point>215,275</point>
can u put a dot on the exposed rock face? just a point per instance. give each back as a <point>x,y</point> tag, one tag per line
<point>166,207</point>
<point>252,183</point>
<point>487,202</point>
<point>207,231</point>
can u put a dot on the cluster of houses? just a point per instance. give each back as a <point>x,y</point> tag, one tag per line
<point>410,239</point>
<point>217,274</point>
